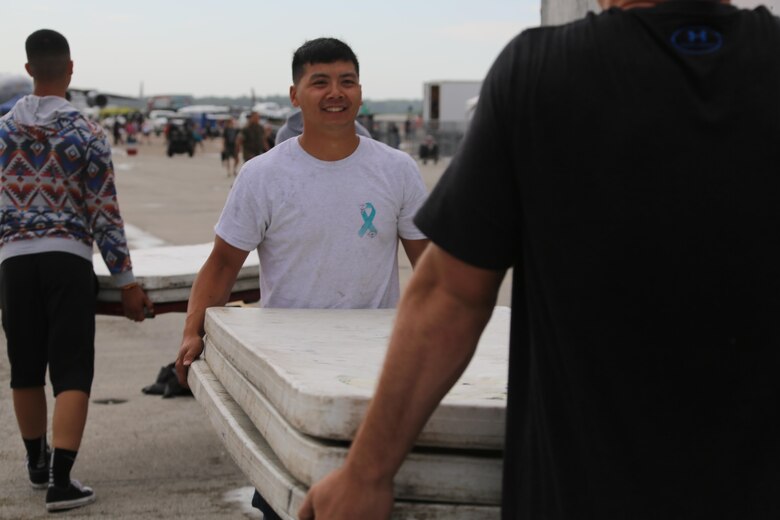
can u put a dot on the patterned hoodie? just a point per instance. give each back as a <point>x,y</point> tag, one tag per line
<point>57,189</point>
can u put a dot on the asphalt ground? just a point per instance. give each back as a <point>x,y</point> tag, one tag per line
<point>145,456</point>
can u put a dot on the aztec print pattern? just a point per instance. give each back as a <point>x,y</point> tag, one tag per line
<point>58,182</point>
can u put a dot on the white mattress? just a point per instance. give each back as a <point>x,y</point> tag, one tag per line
<point>451,476</point>
<point>266,472</point>
<point>318,369</point>
<point>167,273</point>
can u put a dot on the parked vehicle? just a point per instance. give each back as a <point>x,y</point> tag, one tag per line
<point>180,136</point>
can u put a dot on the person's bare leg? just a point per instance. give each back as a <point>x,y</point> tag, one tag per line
<point>70,417</point>
<point>30,408</point>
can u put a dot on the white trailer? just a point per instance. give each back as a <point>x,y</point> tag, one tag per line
<point>445,101</point>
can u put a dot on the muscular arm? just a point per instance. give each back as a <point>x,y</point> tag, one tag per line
<point>211,288</point>
<point>414,249</point>
<point>441,316</point>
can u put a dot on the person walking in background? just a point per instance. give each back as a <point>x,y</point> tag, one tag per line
<point>429,150</point>
<point>146,130</point>
<point>131,129</point>
<point>57,196</point>
<point>198,134</point>
<point>625,166</point>
<point>230,148</point>
<point>117,130</point>
<point>362,194</point>
<point>269,136</point>
<point>251,138</point>
<point>393,135</point>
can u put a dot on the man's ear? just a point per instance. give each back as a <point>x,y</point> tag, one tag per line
<point>28,68</point>
<point>294,96</point>
<point>70,67</point>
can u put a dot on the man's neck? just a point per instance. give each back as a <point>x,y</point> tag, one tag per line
<point>334,146</point>
<point>49,89</point>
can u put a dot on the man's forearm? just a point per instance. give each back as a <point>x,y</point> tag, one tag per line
<point>442,314</point>
<point>434,338</point>
<point>211,288</point>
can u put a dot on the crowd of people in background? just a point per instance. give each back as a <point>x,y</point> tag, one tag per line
<point>250,134</point>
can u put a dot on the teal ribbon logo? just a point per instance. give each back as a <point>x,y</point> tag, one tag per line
<point>368,220</point>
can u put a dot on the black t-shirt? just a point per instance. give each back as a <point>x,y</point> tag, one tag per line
<point>628,167</point>
<point>230,136</point>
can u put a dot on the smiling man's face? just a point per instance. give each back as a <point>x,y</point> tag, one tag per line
<point>328,94</point>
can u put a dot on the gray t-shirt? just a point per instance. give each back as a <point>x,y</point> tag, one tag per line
<point>326,232</point>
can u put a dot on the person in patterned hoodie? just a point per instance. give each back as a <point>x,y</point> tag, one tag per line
<point>57,197</point>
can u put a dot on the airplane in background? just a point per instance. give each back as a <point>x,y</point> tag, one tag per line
<point>91,101</point>
<point>271,110</point>
<point>15,86</point>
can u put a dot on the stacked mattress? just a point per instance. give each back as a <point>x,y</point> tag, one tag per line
<point>167,273</point>
<point>287,388</point>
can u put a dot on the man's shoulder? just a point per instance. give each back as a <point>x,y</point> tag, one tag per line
<point>96,129</point>
<point>79,121</point>
<point>388,163</point>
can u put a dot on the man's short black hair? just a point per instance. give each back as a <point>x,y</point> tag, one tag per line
<point>48,54</point>
<point>321,50</point>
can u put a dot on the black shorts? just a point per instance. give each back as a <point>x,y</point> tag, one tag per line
<point>48,305</point>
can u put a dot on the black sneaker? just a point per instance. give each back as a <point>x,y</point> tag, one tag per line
<point>39,472</point>
<point>62,498</point>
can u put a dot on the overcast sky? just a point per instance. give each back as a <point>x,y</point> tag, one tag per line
<point>228,47</point>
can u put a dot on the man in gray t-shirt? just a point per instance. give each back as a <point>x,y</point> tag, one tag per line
<point>326,231</point>
<point>325,211</point>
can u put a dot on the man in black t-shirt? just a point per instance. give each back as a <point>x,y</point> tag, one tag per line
<point>230,148</point>
<point>625,165</point>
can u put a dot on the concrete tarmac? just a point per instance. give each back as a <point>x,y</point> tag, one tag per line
<point>145,456</point>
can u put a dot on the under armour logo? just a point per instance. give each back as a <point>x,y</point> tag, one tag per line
<point>697,40</point>
<point>701,35</point>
